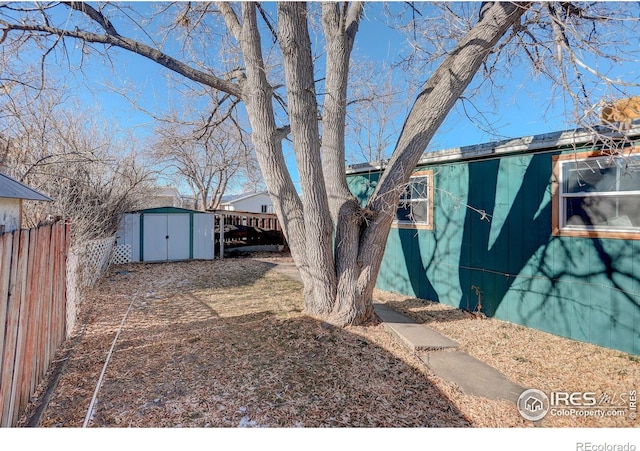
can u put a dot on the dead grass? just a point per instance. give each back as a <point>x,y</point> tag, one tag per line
<point>224,344</point>
<point>532,358</point>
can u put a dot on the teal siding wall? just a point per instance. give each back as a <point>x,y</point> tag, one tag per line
<point>581,288</point>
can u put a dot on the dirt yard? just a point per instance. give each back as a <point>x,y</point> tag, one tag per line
<point>224,344</point>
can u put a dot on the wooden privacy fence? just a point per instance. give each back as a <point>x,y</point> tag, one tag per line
<point>32,311</point>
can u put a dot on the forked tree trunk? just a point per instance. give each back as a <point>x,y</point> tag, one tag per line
<point>337,245</point>
<point>267,140</point>
<point>339,277</point>
<point>357,278</point>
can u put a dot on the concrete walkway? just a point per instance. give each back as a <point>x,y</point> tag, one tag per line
<point>439,353</point>
<point>442,356</point>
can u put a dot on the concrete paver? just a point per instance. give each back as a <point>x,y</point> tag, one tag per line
<point>472,375</point>
<point>445,360</point>
<point>417,337</point>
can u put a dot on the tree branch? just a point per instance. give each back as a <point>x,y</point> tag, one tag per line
<point>136,47</point>
<point>231,19</point>
<point>95,15</point>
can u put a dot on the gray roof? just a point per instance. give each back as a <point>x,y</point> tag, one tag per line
<point>12,188</point>
<point>525,144</point>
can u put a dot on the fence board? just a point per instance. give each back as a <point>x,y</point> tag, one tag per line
<point>45,237</point>
<point>6,243</point>
<point>27,335</point>
<point>62,284</point>
<point>37,276</point>
<point>7,388</point>
<point>9,337</point>
<point>58,317</point>
<point>49,317</point>
<point>21,297</point>
<point>33,319</point>
<point>11,331</point>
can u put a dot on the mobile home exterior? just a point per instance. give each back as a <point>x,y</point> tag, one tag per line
<point>541,231</point>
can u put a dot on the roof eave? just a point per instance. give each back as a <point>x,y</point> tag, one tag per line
<point>517,145</point>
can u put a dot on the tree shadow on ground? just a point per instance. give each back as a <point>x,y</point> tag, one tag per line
<point>229,356</point>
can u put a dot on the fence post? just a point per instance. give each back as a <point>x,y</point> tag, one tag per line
<point>221,236</point>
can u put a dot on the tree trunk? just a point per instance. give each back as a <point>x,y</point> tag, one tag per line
<point>339,283</point>
<point>295,43</point>
<point>340,28</point>
<point>437,97</point>
<point>267,140</point>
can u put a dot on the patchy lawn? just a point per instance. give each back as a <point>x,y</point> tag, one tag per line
<point>535,359</point>
<point>224,344</point>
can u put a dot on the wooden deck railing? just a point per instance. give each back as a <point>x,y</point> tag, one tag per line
<point>265,221</point>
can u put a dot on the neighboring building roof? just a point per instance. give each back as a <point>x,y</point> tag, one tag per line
<point>534,143</point>
<point>12,188</point>
<point>166,191</point>
<point>238,197</point>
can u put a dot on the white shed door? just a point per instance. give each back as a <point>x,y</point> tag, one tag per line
<point>178,241</point>
<point>166,237</point>
<point>154,232</point>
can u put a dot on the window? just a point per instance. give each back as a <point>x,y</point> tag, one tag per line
<point>415,209</point>
<point>597,196</point>
<point>263,208</point>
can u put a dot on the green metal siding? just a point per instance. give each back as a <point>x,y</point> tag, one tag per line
<point>586,289</point>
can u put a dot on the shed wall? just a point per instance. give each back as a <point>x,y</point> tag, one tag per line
<point>129,234</point>
<point>203,236</point>
<point>508,261</point>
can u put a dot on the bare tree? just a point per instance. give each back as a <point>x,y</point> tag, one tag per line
<point>336,244</point>
<point>581,53</point>
<point>92,177</point>
<point>377,101</point>
<point>208,159</point>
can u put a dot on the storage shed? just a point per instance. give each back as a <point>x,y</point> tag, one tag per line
<point>542,231</point>
<point>165,234</point>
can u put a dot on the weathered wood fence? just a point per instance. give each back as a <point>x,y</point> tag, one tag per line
<point>32,311</point>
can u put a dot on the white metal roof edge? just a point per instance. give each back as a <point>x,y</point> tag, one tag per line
<point>509,146</point>
<point>243,197</point>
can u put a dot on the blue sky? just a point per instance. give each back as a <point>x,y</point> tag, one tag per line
<point>522,110</point>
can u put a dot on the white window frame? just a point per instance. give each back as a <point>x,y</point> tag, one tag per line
<point>413,224</point>
<point>560,226</point>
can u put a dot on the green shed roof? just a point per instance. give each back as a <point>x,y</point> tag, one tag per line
<point>165,210</point>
